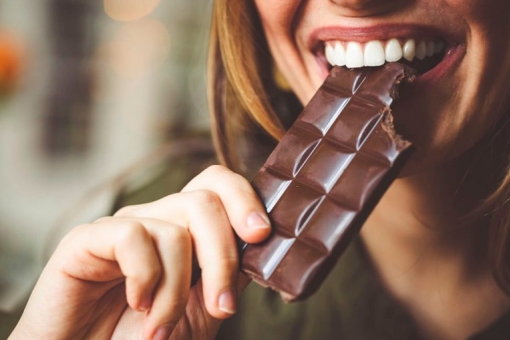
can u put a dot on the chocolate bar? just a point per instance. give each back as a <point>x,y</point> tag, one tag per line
<point>325,177</point>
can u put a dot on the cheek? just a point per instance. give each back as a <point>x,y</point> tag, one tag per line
<point>279,18</point>
<point>482,13</point>
<point>479,95</point>
<point>489,56</point>
<point>277,15</point>
<point>474,7</point>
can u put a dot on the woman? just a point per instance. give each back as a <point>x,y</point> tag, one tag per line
<point>437,243</point>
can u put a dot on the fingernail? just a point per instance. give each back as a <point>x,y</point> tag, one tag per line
<point>227,301</point>
<point>163,332</point>
<point>257,221</point>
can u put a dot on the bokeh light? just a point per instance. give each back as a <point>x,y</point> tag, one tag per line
<point>10,61</point>
<point>127,10</point>
<point>137,48</point>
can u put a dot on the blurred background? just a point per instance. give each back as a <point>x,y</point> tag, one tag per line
<point>87,87</point>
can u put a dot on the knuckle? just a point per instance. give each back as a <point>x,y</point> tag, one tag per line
<point>242,184</point>
<point>102,219</point>
<point>224,174</point>
<point>212,172</point>
<point>225,262</point>
<point>131,230</point>
<point>126,211</point>
<point>149,273</point>
<point>141,276</point>
<point>206,197</point>
<point>230,261</point>
<point>175,236</point>
<point>216,170</point>
<point>229,179</point>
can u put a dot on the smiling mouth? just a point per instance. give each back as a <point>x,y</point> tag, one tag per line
<point>422,55</point>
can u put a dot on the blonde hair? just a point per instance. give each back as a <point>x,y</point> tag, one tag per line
<point>238,59</point>
<point>239,94</point>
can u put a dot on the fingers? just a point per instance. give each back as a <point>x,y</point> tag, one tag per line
<point>216,252</point>
<point>111,249</point>
<point>197,320</point>
<point>154,257</point>
<point>234,194</point>
<point>203,213</point>
<point>208,206</point>
<point>130,244</point>
<point>246,213</point>
<point>152,245</point>
<point>170,299</point>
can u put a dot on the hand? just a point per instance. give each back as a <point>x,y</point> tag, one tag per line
<point>128,276</point>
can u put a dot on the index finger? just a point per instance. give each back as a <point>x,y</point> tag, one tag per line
<point>244,209</point>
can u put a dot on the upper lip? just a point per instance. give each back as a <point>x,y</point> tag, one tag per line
<point>379,32</point>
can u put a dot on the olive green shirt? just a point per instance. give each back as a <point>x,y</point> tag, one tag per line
<point>7,323</point>
<point>350,305</point>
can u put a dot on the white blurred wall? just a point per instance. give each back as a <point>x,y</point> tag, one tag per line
<point>131,111</point>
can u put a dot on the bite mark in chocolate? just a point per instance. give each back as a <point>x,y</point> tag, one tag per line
<point>325,177</point>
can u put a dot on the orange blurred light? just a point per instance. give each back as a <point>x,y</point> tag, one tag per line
<point>127,10</point>
<point>10,60</point>
<point>137,48</point>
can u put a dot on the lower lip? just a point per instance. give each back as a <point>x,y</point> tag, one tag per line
<point>451,59</point>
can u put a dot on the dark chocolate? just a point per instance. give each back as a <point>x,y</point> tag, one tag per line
<point>325,177</point>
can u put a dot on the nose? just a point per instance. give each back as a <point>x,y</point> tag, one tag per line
<point>367,7</point>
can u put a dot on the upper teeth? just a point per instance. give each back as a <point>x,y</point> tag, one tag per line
<point>375,53</point>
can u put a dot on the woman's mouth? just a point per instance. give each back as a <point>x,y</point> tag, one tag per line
<point>421,54</point>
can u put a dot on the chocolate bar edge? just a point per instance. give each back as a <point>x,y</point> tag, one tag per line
<point>405,150</point>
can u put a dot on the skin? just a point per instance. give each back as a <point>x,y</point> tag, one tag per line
<point>94,286</point>
<point>482,71</point>
<point>128,276</point>
<point>427,256</point>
